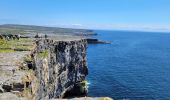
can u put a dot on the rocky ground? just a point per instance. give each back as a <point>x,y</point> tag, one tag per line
<point>12,55</point>
<point>8,65</point>
<point>12,78</point>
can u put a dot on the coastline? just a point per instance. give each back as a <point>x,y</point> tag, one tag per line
<point>43,66</point>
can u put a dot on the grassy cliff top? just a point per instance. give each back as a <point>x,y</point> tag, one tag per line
<point>16,45</point>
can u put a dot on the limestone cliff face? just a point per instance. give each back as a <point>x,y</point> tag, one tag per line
<point>59,66</point>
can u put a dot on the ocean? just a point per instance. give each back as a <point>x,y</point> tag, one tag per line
<point>136,66</point>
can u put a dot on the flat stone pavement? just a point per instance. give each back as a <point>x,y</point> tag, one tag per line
<point>8,63</point>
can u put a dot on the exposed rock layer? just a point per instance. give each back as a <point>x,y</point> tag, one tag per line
<point>59,66</point>
<point>96,41</point>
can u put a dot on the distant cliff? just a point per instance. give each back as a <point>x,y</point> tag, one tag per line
<point>59,66</point>
<point>32,29</point>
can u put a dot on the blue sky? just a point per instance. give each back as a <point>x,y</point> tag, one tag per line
<point>100,14</point>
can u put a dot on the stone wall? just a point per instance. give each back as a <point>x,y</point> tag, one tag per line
<point>59,66</point>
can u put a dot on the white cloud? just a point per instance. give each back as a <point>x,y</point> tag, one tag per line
<point>77,25</point>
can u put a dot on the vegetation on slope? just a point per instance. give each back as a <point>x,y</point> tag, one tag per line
<point>24,44</point>
<point>24,29</point>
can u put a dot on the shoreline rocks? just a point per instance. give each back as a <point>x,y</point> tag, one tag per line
<point>96,41</point>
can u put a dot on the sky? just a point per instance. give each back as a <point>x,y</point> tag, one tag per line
<point>93,14</point>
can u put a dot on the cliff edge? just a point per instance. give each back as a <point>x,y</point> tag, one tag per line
<point>51,69</point>
<point>59,66</point>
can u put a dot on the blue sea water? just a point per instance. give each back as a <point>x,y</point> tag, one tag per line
<point>136,66</point>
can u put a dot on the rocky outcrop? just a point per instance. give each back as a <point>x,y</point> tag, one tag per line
<point>96,41</point>
<point>59,66</point>
<point>52,70</point>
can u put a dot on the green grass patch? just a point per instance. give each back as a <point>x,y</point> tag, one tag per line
<point>12,31</point>
<point>6,50</point>
<point>43,54</point>
<point>28,58</point>
<point>16,45</point>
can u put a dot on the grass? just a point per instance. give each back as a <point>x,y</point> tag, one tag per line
<point>6,50</point>
<point>43,54</point>
<point>29,76</point>
<point>24,44</point>
<point>12,31</point>
<point>83,86</point>
<point>27,59</point>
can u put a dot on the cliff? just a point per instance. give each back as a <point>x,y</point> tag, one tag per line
<point>96,41</point>
<point>59,67</point>
<point>50,69</point>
